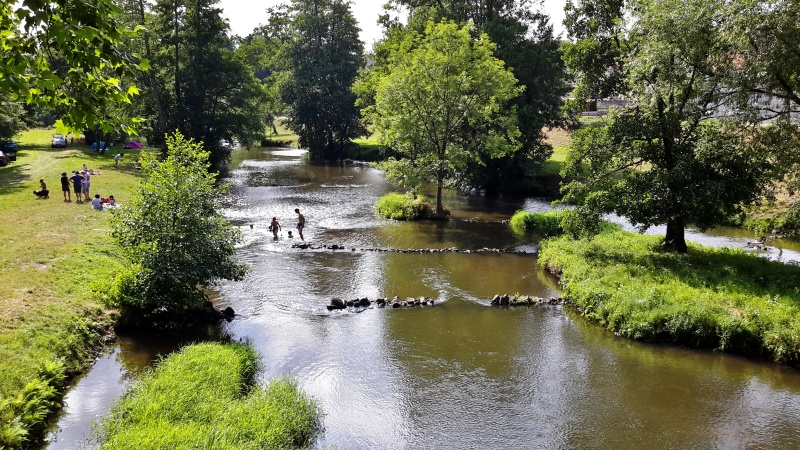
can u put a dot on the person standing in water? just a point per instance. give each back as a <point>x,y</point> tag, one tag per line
<point>275,227</point>
<point>301,223</point>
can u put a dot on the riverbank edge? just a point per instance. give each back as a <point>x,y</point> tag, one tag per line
<point>205,395</point>
<point>715,298</point>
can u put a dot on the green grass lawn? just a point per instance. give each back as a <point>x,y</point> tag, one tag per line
<point>52,253</point>
<point>724,299</point>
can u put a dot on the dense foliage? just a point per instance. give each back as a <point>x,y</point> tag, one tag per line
<point>65,53</point>
<point>403,207</point>
<point>322,59</point>
<point>173,233</point>
<point>678,154</point>
<point>525,42</point>
<point>715,298</point>
<point>204,397</point>
<point>544,223</point>
<point>197,83</point>
<point>441,101</point>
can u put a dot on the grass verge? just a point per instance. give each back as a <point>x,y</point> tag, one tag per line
<point>52,254</point>
<point>724,299</point>
<point>204,397</point>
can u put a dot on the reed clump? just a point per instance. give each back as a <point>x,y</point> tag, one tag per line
<point>716,298</point>
<point>205,397</point>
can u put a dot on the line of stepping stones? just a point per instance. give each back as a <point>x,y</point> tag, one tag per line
<point>308,246</point>
<point>397,302</point>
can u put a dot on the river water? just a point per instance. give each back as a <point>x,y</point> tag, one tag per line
<point>460,374</point>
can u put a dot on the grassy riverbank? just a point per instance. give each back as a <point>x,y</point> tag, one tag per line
<point>724,299</point>
<point>51,254</point>
<point>204,397</point>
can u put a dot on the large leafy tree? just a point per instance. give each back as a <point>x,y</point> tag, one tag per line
<point>679,154</point>
<point>322,60</point>
<point>198,84</point>
<point>441,101</point>
<point>525,42</point>
<point>65,53</point>
<point>173,233</point>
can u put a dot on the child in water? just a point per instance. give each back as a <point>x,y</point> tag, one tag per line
<point>275,227</point>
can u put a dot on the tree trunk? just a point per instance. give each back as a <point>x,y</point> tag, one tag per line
<point>675,239</point>
<point>439,207</point>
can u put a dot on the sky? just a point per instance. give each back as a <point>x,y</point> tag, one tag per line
<point>245,15</point>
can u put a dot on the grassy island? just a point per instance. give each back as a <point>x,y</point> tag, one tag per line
<point>205,397</point>
<point>724,299</point>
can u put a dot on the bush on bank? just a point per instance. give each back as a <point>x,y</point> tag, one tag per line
<point>545,223</point>
<point>404,207</point>
<point>715,298</point>
<point>204,397</point>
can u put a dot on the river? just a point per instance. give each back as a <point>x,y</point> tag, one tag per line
<point>460,374</point>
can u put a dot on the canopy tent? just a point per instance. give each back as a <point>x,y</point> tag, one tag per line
<point>133,144</point>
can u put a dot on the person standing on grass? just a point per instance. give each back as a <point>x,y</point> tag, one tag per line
<point>65,187</point>
<point>86,184</point>
<point>116,160</point>
<point>77,183</point>
<point>301,223</point>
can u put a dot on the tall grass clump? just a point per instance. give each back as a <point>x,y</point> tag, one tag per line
<point>545,223</point>
<point>403,207</point>
<point>205,397</point>
<point>715,298</point>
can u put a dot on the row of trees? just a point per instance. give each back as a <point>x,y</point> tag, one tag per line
<point>461,90</point>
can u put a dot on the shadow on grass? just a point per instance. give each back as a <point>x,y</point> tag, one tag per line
<point>709,268</point>
<point>12,177</point>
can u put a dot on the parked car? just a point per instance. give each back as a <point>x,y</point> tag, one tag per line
<point>10,149</point>
<point>3,159</point>
<point>58,141</point>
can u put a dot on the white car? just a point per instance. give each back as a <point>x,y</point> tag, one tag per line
<point>58,141</point>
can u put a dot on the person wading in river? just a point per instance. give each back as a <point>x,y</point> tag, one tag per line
<point>301,223</point>
<point>275,227</point>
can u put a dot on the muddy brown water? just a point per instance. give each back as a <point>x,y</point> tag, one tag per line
<point>460,374</point>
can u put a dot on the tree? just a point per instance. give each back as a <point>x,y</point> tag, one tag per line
<point>675,155</point>
<point>766,40</point>
<point>525,43</point>
<point>441,101</point>
<point>65,53</point>
<point>173,233</point>
<point>322,60</point>
<point>11,122</point>
<point>198,84</point>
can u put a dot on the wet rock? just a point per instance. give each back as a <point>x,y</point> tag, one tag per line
<point>396,305</point>
<point>496,300</point>
<point>338,303</point>
<point>364,302</point>
<point>350,303</point>
<point>504,300</point>
<point>228,312</point>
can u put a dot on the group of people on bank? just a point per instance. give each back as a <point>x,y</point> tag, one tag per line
<point>275,226</point>
<point>80,183</point>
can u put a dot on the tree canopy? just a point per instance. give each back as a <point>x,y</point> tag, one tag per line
<point>322,59</point>
<point>173,233</point>
<point>441,101</point>
<point>679,154</point>
<point>66,53</point>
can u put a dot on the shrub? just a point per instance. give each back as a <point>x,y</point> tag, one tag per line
<point>26,414</point>
<point>545,223</point>
<point>403,207</point>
